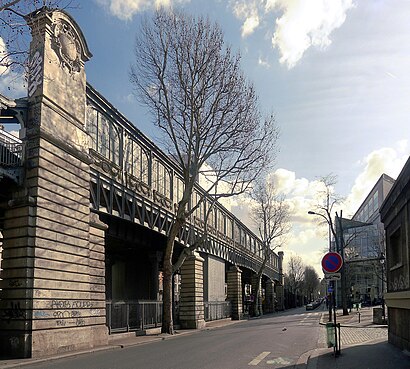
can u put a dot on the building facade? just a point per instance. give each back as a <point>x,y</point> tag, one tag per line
<point>364,250</point>
<point>395,215</point>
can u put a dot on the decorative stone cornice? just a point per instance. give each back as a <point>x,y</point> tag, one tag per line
<point>107,166</point>
<point>67,147</point>
<point>161,199</point>
<point>136,185</point>
<point>96,222</point>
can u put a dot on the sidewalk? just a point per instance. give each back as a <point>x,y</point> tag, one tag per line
<point>363,345</point>
<point>115,342</point>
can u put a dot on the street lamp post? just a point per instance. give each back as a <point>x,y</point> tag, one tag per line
<point>343,279</point>
<point>331,283</point>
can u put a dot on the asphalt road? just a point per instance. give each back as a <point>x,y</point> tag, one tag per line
<point>275,341</point>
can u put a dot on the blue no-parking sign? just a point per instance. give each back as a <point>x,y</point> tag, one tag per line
<point>332,262</point>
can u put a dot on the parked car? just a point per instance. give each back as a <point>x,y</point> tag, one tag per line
<point>313,305</point>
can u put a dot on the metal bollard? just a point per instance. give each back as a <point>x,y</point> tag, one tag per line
<point>359,317</point>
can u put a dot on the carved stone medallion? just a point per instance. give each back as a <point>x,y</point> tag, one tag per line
<point>66,46</point>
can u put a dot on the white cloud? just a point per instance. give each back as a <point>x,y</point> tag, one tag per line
<point>309,238</point>
<point>299,25</point>
<point>3,50</point>
<point>126,9</point>
<point>306,23</point>
<point>250,24</point>
<point>249,12</point>
<point>385,160</point>
<point>306,239</point>
<point>11,84</point>
<point>263,62</point>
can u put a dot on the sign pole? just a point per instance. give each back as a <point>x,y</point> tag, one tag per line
<point>337,348</point>
<point>331,264</point>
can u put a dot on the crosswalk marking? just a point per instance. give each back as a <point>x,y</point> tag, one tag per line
<point>259,358</point>
<point>309,319</point>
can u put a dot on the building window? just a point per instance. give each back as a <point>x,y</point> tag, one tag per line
<point>161,179</point>
<point>376,201</point>
<point>236,233</point>
<point>228,228</point>
<point>199,211</point>
<point>221,222</point>
<point>243,238</point>
<point>178,189</point>
<point>135,159</point>
<point>395,254</point>
<point>104,135</point>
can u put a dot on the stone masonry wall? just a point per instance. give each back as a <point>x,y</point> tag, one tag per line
<point>53,297</point>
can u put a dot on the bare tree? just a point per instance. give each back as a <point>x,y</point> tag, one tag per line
<point>327,201</point>
<point>311,282</point>
<point>15,36</point>
<point>206,109</point>
<point>295,274</point>
<point>270,213</point>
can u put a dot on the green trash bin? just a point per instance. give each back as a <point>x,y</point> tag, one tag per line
<point>330,333</point>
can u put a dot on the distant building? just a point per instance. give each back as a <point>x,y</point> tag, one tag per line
<point>364,248</point>
<point>368,211</point>
<point>365,252</point>
<point>395,214</point>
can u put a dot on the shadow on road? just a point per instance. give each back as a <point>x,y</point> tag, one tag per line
<point>379,355</point>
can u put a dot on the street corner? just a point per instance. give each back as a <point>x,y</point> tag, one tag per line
<point>305,358</point>
<point>313,356</point>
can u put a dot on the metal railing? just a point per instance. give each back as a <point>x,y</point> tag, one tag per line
<point>214,310</point>
<point>136,315</point>
<point>11,154</point>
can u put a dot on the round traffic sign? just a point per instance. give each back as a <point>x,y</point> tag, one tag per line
<point>332,262</point>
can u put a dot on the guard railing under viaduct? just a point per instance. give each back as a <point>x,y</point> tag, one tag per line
<point>11,156</point>
<point>140,315</point>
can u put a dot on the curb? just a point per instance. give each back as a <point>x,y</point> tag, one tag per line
<point>304,359</point>
<point>23,362</point>
<point>147,339</point>
<point>313,357</point>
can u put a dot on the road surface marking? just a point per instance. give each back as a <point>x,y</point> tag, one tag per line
<point>280,361</point>
<point>259,358</point>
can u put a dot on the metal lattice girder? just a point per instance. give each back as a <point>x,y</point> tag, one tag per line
<point>110,197</point>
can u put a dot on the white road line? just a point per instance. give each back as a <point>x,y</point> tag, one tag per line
<point>259,358</point>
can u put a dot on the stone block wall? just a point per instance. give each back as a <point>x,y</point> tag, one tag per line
<point>53,296</point>
<point>191,308</point>
<point>235,292</point>
<point>399,328</point>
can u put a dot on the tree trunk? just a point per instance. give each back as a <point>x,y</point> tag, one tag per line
<point>257,303</point>
<point>343,291</point>
<point>167,318</point>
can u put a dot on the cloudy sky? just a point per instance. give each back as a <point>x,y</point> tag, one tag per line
<point>335,72</point>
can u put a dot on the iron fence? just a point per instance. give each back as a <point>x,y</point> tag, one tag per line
<point>137,315</point>
<point>126,316</point>
<point>214,310</point>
